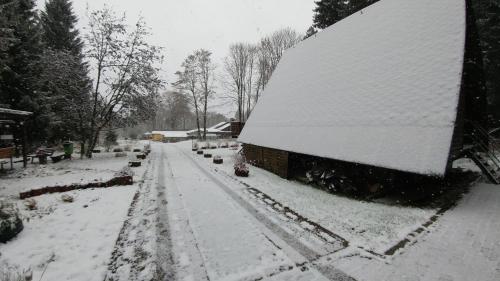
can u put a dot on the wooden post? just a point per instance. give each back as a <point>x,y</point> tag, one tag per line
<point>25,146</point>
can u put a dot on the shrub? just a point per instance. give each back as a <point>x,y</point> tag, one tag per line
<point>11,273</point>
<point>110,140</point>
<point>10,221</point>
<point>240,166</point>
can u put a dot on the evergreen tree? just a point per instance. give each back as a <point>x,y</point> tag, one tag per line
<point>328,12</point>
<point>19,72</point>
<point>59,31</point>
<point>65,76</point>
<point>487,13</point>
<point>354,6</point>
<point>310,32</point>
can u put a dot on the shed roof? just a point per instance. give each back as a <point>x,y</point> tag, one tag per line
<point>380,87</point>
<point>12,112</point>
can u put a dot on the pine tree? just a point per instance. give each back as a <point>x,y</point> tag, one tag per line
<point>19,72</point>
<point>59,31</point>
<point>357,5</point>
<point>66,81</point>
<point>328,12</point>
<point>488,20</point>
<point>310,32</point>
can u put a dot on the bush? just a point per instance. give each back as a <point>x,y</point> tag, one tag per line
<point>10,221</point>
<point>11,273</point>
<point>110,140</point>
<point>240,166</point>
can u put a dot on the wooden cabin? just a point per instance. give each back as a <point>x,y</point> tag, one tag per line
<point>396,87</point>
<point>13,135</point>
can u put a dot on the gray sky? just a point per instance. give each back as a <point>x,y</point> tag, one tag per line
<point>181,26</point>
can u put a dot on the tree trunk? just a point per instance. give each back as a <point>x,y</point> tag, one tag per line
<point>82,149</point>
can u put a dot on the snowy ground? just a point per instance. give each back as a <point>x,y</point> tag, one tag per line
<point>376,227</point>
<point>190,219</point>
<point>68,241</point>
<point>462,244</point>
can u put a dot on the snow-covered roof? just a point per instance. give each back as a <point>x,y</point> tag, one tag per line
<point>171,134</point>
<point>223,126</point>
<point>380,87</point>
<point>218,128</point>
<point>218,125</point>
<point>15,112</point>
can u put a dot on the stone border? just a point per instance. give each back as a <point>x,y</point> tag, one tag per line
<point>121,180</point>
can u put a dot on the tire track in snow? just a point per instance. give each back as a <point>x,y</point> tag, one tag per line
<point>309,254</point>
<point>142,250</point>
<point>190,259</point>
<point>164,254</point>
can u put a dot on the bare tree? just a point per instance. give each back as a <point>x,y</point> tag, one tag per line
<point>177,112</point>
<point>249,87</point>
<point>187,81</point>
<point>206,70</point>
<point>197,78</point>
<point>271,49</point>
<point>127,73</point>
<point>248,68</point>
<point>236,67</point>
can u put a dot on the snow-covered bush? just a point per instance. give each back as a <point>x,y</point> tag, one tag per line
<point>10,221</point>
<point>110,139</point>
<point>30,204</point>
<point>11,273</point>
<point>67,198</point>
<point>240,166</point>
<point>126,171</point>
<point>121,154</point>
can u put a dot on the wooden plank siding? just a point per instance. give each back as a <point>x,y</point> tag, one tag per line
<point>236,128</point>
<point>272,160</point>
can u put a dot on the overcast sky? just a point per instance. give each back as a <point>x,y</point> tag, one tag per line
<point>181,26</point>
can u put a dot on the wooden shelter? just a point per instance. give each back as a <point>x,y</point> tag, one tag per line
<point>13,133</point>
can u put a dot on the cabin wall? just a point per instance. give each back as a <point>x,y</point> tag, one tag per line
<point>457,142</point>
<point>236,128</point>
<point>272,160</point>
<point>472,106</point>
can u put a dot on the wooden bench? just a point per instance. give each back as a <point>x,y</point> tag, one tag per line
<point>6,153</point>
<point>42,155</point>
<point>58,157</point>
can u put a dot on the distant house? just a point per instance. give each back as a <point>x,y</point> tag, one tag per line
<point>219,130</point>
<point>13,134</point>
<point>397,86</point>
<point>157,136</point>
<point>169,136</point>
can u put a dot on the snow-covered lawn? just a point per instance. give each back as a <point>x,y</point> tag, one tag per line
<point>68,241</point>
<point>101,168</point>
<point>194,220</point>
<point>373,226</point>
<point>464,245</point>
